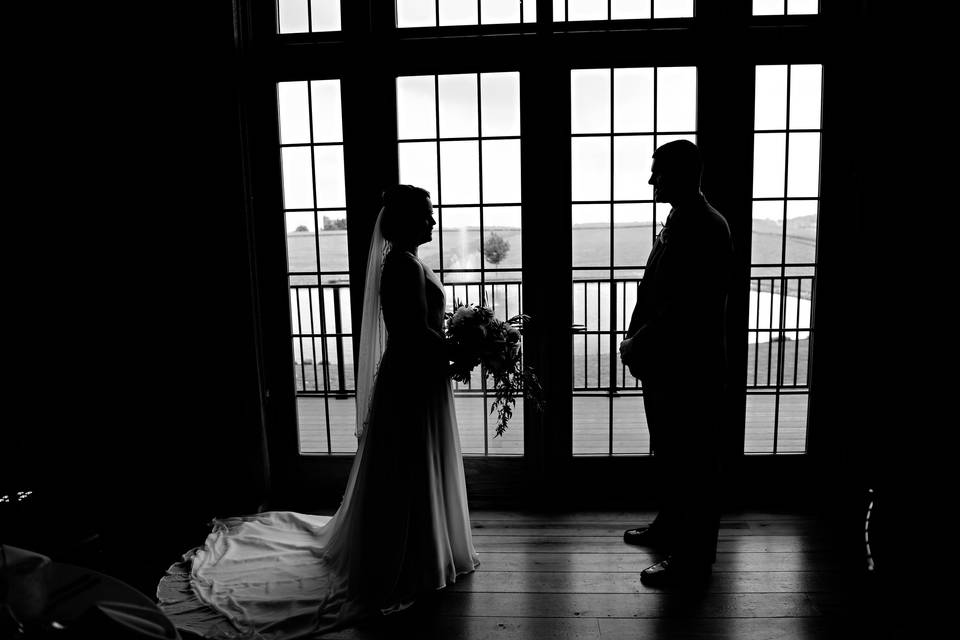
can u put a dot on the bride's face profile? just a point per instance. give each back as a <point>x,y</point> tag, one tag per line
<point>407,217</point>
<point>428,224</point>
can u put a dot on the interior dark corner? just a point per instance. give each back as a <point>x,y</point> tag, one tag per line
<point>166,373</point>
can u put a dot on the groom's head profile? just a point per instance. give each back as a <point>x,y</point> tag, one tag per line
<point>676,171</point>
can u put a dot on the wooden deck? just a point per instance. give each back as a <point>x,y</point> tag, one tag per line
<point>571,576</point>
<point>591,432</point>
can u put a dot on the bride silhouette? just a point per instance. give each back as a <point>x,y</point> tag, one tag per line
<point>403,527</point>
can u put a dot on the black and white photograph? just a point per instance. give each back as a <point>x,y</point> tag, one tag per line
<point>461,319</point>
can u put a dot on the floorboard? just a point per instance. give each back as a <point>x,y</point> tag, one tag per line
<point>570,576</point>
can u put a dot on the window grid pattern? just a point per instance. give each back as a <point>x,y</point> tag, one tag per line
<point>620,116</point>
<point>785,7</point>
<point>311,153</point>
<point>786,197</point>
<point>582,10</point>
<point>308,16</point>
<point>448,13</point>
<point>466,153</point>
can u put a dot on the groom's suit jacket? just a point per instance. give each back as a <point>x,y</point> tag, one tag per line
<point>678,324</point>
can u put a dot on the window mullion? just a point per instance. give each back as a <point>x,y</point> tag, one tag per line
<point>725,95</point>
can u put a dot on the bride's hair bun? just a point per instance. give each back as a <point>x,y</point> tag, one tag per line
<point>401,205</point>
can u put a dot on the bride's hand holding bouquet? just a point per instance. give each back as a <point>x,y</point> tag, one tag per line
<point>476,337</point>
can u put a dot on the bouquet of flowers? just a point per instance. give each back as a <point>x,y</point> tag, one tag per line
<point>476,337</point>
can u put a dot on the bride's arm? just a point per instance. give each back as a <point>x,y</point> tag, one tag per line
<point>404,298</point>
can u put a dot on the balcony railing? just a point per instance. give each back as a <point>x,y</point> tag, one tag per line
<point>322,339</point>
<point>778,357</point>
<point>778,363</point>
<point>324,368</point>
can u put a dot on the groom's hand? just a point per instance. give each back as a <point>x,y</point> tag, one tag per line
<point>627,356</point>
<point>626,350</point>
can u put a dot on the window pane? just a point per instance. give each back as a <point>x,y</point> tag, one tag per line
<point>768,7</point>
<point>461,238</point>
<point>418,166</point>
<point>633,234</point>
<point>804,165</point>
<point>673,9</point>
<point>770,108</point>
<point>326,15</point>
<point>676,99</point>
<point>587,9</point>
<point>500,104</point>
<point>501,171</point>
<point>416,107</point>
<point>454,12</point>
<point>591,168</point>
<point>591,235</point>
<point>633,100</point>
<point>294,112</point>
<point>796,315</point>
<point>629,9</point>
<point>458,105</point>
<point>327,118</point>
<point>802,231</point>
<point>792,426</point>
<point>499,12</point>
<point>511,443</point>
<point>769,156</point>
<point>590,100</point>
<point>759,424</point>
<point>767,240</point>
<point>559,10</point>
<point>470,414</point>
<point>662,140</point>
<point>330,176</point>
<point>312,421</point>
<point>297,181</point>
<point>591,424</point>
<point>805,96</point>
<point>459,173</point>
<point>301,241</point>
<point>798,7</point>
<point>293,16</point>
<point>416,13</point>
<point>504,222</point>
<point>632,158</point>
<point>630,431</point>
<point>529,11</point>
<point>343,420</point>
<point>333,242</point>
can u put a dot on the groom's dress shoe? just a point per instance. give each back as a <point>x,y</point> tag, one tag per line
<point>674,572</point>
<point>644,537</point>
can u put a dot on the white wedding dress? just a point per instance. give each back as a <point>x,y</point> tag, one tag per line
<point>402,529</point>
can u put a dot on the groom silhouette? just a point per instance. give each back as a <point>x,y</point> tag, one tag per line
<point>676,346</point>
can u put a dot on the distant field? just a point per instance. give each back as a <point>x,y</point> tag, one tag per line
<point>591,246</point>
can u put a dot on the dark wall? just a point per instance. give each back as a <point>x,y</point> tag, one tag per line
<point>135,379</point>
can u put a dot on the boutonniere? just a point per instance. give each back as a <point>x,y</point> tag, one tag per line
<point>664,235</point>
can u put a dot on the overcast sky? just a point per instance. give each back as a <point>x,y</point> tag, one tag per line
<point>492,109</point>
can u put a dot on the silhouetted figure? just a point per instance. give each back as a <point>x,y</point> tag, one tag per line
<point>402,530</point>
<point>676,345</point>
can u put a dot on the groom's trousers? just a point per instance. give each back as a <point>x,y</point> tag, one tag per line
<point>684,423</point>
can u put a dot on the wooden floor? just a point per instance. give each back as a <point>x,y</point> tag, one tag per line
<point>571,576</point>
